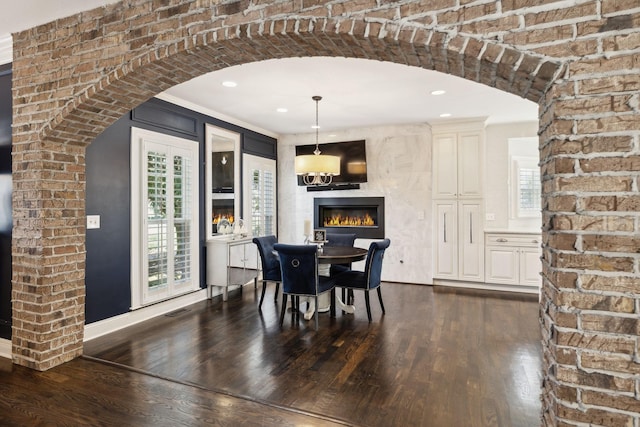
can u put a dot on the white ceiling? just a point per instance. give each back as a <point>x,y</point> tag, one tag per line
<point>356,92</point>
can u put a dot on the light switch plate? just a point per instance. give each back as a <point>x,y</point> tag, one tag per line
<point>491,217</point>
<point>93,221</point>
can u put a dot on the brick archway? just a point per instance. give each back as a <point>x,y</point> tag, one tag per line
<point>76,76</point>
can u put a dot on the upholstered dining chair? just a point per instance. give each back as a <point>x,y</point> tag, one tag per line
<point>270,264</point>
<point>299,265</point>
<point>335,239</point>
<point>339,239</point>
<point>368,279</point>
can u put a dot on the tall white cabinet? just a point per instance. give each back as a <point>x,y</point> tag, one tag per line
<point>458,152</point>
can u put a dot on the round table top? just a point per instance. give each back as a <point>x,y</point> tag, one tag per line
<point>341,254</point>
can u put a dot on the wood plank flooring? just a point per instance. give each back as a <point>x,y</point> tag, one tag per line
<point>439,357</point>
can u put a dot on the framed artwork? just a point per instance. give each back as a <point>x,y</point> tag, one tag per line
<point>319,235</point>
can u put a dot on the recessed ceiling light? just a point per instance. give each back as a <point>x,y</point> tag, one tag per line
<point>445,115</point>
<point>333,135</point>
<point>229,83</point>
<point>438,92</point>
<point>281,110</point>
<point>315,127</point>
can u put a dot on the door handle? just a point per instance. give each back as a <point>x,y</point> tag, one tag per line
<point>445,227</point>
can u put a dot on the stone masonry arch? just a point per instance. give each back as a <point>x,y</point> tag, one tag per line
<point>73,77</point>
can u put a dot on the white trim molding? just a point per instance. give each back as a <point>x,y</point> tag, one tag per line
<point>5,348</point>
<point>209,112</point>
<point>6,49</point>
<point>113,324</point>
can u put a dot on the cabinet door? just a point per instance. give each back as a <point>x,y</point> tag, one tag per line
<point>502,265</point>
<point>530,267</point>
<point>237,256</point>
<point>446,254</point>
<point>469,165</point>
<point>445,166</point>
<point>471,241</point>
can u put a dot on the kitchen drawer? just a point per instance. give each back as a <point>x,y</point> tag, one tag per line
<point>520,240</point>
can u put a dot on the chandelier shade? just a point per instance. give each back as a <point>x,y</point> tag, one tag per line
<point>317,168</point>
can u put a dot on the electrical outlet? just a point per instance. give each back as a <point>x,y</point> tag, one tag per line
<point>490,217</point>
<point>93,221</point>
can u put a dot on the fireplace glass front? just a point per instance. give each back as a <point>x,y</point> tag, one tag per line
<point>363,216</point>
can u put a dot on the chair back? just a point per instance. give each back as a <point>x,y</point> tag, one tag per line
<point>299,265</point>
<point>338,239</point>
<point>373,264</point>
<point>270,262</point>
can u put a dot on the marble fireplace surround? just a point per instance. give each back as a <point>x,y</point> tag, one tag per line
<point>355,205</point>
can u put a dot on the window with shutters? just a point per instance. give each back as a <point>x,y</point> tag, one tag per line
<point>164,217</point>
<point>526,187</point>
<point>260,202</point>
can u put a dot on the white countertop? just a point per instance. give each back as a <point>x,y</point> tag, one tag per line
<point>512,231</point>
<point>229,238</point>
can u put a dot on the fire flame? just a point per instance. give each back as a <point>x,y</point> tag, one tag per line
<point>217,218</point>
<point>349,221</point>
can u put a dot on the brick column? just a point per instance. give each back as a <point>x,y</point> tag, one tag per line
<point>590,156</point>
<point>48,251</point>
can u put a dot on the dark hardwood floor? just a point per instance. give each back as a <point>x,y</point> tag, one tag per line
<point>439,357</point>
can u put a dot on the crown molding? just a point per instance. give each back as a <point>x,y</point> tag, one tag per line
<point>209,112</point>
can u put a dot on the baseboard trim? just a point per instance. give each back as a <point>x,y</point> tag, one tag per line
<point>487,286</point>
<point>5,348</point>
<point>112,324</point>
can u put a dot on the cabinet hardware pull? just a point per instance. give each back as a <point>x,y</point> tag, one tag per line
<point>470,227</point>
<point>445,227</point>
<point>501,240</point>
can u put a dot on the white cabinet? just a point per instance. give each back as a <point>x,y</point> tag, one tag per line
<point>458,164</point>
<point>230,261</point>
<point>458,155</point>
<point>513,259</point>
<point>446,253</point>
<point>459,251</point>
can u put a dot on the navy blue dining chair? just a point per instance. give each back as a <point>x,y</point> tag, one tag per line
<point>368,279</point>
<point>341,239</point>
<point>336,239</point>
<point>270,264</point>
<point>299,266</point>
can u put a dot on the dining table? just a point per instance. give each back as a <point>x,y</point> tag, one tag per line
<point>328,255</point>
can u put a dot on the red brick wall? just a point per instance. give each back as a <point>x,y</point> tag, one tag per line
<point>580,62</point>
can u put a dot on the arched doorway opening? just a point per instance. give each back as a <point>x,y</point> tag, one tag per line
<point>67,89</point>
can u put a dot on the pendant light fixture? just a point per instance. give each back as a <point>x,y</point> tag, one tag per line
<point>317,168</point>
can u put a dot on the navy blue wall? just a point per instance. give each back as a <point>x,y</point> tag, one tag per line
<point>108,267</point>
<point>5,201</point>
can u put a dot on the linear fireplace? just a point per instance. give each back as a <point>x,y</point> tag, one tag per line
<point>363,216</point>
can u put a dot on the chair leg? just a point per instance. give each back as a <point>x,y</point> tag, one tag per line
<point>264,288</point>
<point>380,298</point>
<point>294,308</point>
<point>275,296</point>
<point>332,308</point>
<point>344,300</point>
<point>351,299</point>
<point>316,312</point>
<point>366,299</point>
<point>284,308</point>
